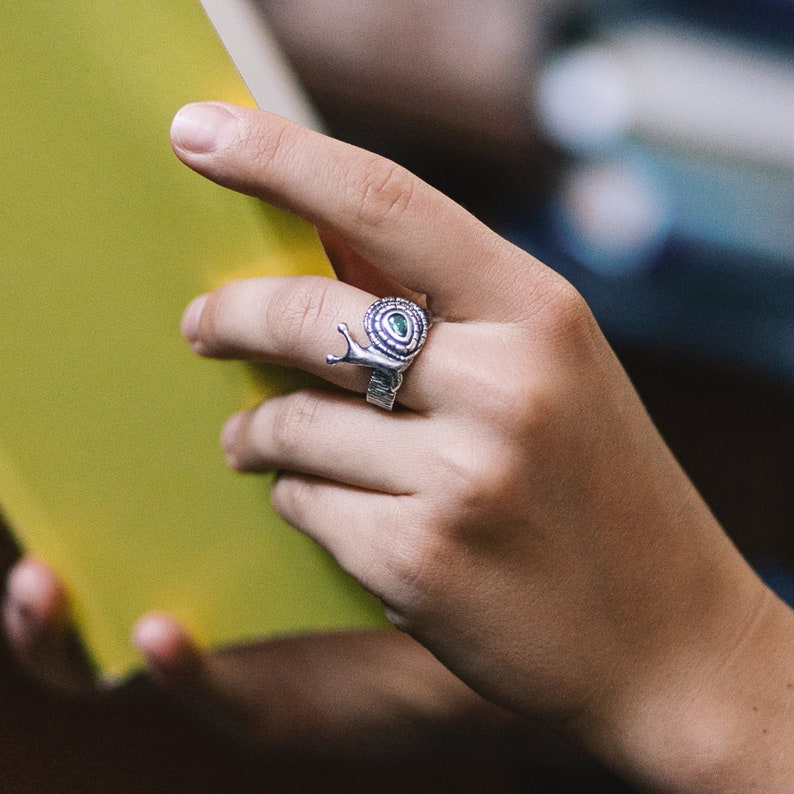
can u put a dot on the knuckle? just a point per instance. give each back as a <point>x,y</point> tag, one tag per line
<point>517,410</point>
<point>413,565</point>
<point>295,312</point>
<point>505,398</point>
<point>475,477</point>
<point>294,419</point>
<point>500,393</point>
<point>423,554</point>
<point>565,315</point>
<point>381,191</point>
<point>266,143</point>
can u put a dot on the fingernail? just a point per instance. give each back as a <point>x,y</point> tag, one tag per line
<point>230,431</point>
<point>149,637</point>
<point>148,632</point>
<point>201,128</point>
<point>192,317</point>
<point>19,621</point>
<point>164,644</point>
<point>22,594</point>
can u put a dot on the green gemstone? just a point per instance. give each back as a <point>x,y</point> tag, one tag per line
<point>399,324</point>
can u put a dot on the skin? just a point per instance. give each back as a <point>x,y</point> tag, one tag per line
<point>528,525</point>
<point>357,697</point>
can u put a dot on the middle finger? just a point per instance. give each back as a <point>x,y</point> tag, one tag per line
<point>331,436</point>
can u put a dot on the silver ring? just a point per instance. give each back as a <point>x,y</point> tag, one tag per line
<point>397,330</point>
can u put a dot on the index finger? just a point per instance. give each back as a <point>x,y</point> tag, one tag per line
<point>408,229</point>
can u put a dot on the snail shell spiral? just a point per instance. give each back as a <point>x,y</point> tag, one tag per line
<point>396,327</point>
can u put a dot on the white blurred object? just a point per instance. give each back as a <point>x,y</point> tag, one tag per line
<point>671,87</point>
<point>247,38</point>
<point>583,100</point>
<point>615,214</point>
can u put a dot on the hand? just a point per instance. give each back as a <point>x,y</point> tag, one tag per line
<point>521,517</point>
<point>356,696</point>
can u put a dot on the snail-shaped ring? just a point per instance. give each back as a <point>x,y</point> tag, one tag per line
<point>397,329</point>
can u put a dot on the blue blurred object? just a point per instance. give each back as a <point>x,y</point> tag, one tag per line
<point>779,578</point>
<point>624,206</point>
<point>767,21</point>
<point>697,303</point>
<point>680,246</point>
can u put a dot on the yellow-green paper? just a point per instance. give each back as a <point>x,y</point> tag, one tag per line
<point>110,467</point>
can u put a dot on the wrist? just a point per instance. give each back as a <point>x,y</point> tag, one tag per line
<point>717,712</point>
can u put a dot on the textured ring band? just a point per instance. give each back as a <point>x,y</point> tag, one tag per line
<point>397,330</point>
